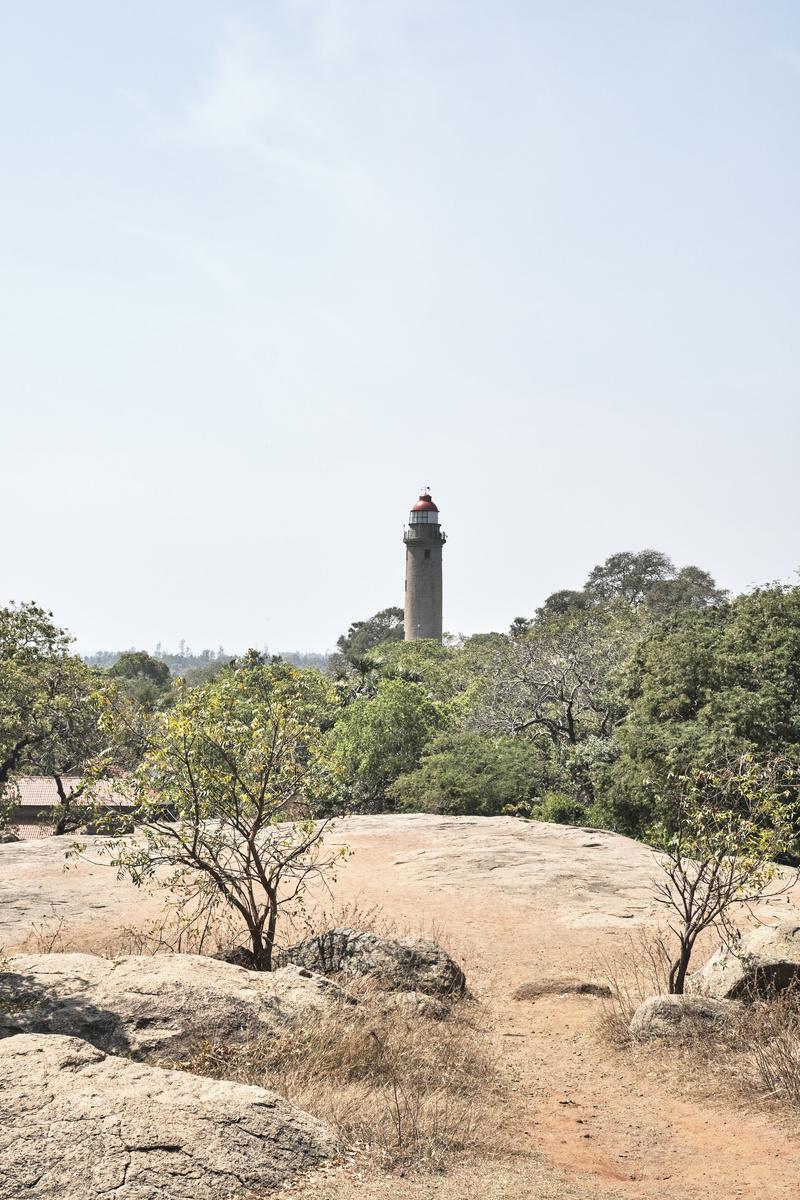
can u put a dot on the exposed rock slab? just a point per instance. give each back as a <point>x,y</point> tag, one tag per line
<point>677,1016</point>
<point>152,1005</point>
<point>766,960</point>
<point>398,964</point>
<point>583,878</point>
<point>78,1124</point>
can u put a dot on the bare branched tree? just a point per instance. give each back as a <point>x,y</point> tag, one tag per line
<point>556,678</point>
<point>731,824</point>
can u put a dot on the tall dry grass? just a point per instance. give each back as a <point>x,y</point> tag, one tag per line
<point>768,1039</point>
<point>754,1055</point>
<point>211,929</point>
<point>639,970</point>
<point>398,1087</point>
<point>405,1090</point>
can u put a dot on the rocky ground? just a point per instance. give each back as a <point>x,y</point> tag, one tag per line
<point>528,909</point>
<point>78,1123</point>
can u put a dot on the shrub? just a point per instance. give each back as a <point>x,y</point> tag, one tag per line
<point>472,774</point>
<point>561,809</point>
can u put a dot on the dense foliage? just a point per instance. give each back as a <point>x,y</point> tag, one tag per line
<point>144,677</point>
<point>720,681</point>
<point>581,712</point>
<point>49,713</point>
<point>466,774</point>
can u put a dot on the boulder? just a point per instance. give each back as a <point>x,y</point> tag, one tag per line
<point>155,1005</point>
<point>678,1016</point>
<point>7,838</point>
<point>416,1004</point>
<point>78,1124</point>
<point>398,964</point>
<point>766,960</point>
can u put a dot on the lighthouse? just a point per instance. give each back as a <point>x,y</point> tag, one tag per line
<point>424,539</point>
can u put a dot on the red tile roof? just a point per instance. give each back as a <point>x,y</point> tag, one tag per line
<point>39,791</point>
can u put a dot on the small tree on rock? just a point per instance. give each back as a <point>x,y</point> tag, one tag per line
<point>228,793</point>
<point>731,825</point>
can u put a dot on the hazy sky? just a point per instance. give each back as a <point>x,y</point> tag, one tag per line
<point>270,266</point>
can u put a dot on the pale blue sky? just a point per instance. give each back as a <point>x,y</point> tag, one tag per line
<point>270,266</point>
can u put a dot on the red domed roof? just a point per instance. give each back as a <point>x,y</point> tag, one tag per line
<point>425,504</point>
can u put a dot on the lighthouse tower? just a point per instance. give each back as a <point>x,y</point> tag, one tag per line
<point>424,539</point>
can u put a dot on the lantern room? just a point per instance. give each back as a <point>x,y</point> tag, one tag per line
<point>424,511</point>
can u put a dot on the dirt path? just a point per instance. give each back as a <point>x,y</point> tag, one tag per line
<point>520,903</point>
<point>533,903</point>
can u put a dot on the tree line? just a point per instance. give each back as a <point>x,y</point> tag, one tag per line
<point>202,666</point>
<point>581,713</point>
<point>587,711</point>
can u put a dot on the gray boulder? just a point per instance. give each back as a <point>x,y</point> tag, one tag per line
<point>679,1016</point>
<point>416,1004</point>
<point>78,1124</point>
<point>766,960</point>
<point>398,964</point>
<point>155,1005</point>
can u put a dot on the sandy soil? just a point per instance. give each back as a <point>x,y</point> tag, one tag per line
<point>519,903</point>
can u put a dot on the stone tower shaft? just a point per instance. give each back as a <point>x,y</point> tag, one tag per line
<point>424,539</point>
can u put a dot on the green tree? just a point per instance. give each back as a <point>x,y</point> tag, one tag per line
<point>691,589</point>
<point>714,683</point>
<point>132,664</point>
<point>34,664</point>
<point>145,678</point>
<point>228,793</point>
<point>629,576</point>
<point>646,577</point>
<point>364,636</point>
<point>75,743</point>
<point>650,577</point>
<point>383,736</point>
<point>472,774</point>
<point>50,713</point>
<point>559,604</point>
<point>426,661</point>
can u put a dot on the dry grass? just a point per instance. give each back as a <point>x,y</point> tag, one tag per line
<point>755,1055</point>
<point>639,971</point>
<point>351,914</point>
<point>401,1090</point>
<point>405,1091</point>
<point>179,931</point>
<point>768,1039</point>
<point>48,936</point>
